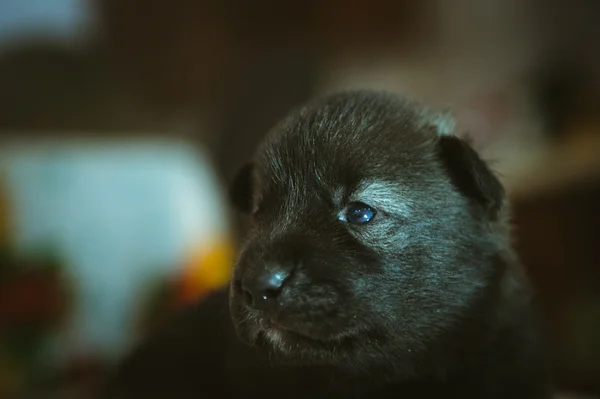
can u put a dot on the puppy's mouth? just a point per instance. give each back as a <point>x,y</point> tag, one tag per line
<point>278,335</point>
<point>306,331</point>
<point>287,325</point>
<point>294,342</point>
<point>282,331</point>
<point>289,338</point>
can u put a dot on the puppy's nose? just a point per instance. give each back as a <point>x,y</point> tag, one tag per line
<point>262,291</point>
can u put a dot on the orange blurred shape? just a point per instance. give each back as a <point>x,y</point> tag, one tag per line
<point>207,269</point>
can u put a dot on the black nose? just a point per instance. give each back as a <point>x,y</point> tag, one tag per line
<point>262,291</point>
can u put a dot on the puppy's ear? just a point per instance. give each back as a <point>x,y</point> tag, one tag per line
<point>470,174</point>
<point>241,188</point>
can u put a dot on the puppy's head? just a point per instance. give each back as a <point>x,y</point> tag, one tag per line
<point>373,234</point>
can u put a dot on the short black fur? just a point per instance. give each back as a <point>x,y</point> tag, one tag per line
<point>427,300</point>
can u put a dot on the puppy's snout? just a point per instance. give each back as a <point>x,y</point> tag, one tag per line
<point>263,289</point>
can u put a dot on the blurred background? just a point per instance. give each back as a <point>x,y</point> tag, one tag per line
<point>121,122</point>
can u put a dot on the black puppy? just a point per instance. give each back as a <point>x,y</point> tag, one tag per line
<point>377,264</point>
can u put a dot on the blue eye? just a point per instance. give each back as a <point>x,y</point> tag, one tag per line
<point>359,213</point>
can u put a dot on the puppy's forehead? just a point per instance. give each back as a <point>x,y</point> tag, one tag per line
<point>347,139</point>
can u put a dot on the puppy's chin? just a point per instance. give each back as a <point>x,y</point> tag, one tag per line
<point>292,343</point>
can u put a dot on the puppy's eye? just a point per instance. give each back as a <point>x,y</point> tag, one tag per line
<point>359,213</point>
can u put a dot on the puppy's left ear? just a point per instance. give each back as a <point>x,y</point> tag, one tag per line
<point>470,174</point>
<point>241,188</point>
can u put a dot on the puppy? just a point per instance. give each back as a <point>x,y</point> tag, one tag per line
<point>377,264</point>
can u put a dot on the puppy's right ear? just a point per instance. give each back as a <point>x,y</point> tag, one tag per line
<point>241,188</point>
<point>470,174</point>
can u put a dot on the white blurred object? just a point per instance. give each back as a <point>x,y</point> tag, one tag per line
<point>60,19</point>
<point>121,214</point>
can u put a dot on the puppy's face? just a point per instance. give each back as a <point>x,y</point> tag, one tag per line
<point>372,236</point>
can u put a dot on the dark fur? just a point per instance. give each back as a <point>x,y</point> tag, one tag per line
<point>425,301</point>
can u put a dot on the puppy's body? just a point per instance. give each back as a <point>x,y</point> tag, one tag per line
<point>419,295</point>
